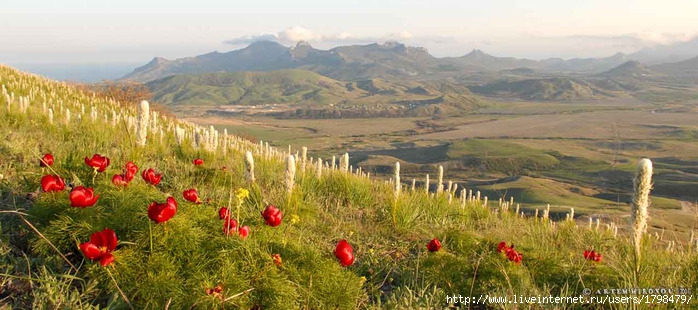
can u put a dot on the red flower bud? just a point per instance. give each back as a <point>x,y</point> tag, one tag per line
<point>198,162</point>
<point>272,216</point>
<point>191,195</point>
<point>345,253</point>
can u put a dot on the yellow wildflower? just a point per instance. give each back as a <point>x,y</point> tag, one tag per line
<point>295,219</point>
<point>242,193</point>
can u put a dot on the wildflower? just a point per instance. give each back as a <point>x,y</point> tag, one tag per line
<point>345,253</point>
<point>130,171</point>
<point>642,185</point>
<point>82,197</point>
<point>249,167</point>
<point>230,226</point>
<point>244,231</point>
<point>223,213</point>
<point>162,212</point>
<point>216,291</point>
<point>290,173</point>
<point>434,245</point>
<point>277,259</point>
<point>224,168</point>
<point>191,195</point>
<point>119,180</point>
<point>46,161</point>
<point>295,219</point>
<point>143,118</point>
<point>151,177</point>
<point>100,246</point>
<point>592,256</point>
<point>272,216</point>
<point>509,252</point>
<point>98,162</point>
<point>52,183</point>
<point>198,162</point>
<point>242,193</point>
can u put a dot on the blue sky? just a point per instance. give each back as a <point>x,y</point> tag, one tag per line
<point>34,31</point>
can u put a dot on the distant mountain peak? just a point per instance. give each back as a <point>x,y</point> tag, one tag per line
<point>477,54</point>
<point>302,44</point>
<point>630,68</point>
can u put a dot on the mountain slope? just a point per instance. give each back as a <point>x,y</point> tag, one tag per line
<point>296,88</point>
<point>687,68</point>
<point>540,89</point>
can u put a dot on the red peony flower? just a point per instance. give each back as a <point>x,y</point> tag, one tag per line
<point>130,171</point>
<point>191,195</point>
<point>592,256</point>
<point>82,197</point>
<point>509,252</point>
<point>46,161</point>
<point>119,180</point>
<point>151,177</point>
<point>100,246</point>
<point>244,231</point>
<point>434,245</point>
<point>162,212</point>
<point>230,226</point>
<point>272,216</point>
<point>223,213</point>
<point>344,252</point>
<point>198,162</point>
<point>98,162</point>
<point>52,183</point>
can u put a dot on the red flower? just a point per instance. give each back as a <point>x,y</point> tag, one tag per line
<point>162,212</point>
<point>244,231</point>
<point>224,168</point>
<point>46,161</point>
<point>52,183</point>
<point>434,245</point>
<point>191,195</point>
<point>223,213</point>
<point>272,216</point>
<point>198,162</point>
<point>119,180</point>
<point>130,171</point>
<point>151,177</point>
<point>83,197</point>
<point>230,226</point>
<point>98,162</point>
<point>344,252</point>
<point>509,252</point>
<point>592,256</point>
<point>100,246</point>
<point>277,259</point>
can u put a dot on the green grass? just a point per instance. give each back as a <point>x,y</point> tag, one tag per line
<point>172,265</point>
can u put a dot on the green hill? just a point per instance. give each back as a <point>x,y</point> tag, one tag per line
<point>294,89</point>
<point>183,258</point>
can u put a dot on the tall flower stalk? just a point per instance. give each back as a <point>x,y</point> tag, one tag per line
<point>290,173</point>
<point>642,185</point>
<point>249,167</point>
<point>143,120</point>
<point>398,185</point>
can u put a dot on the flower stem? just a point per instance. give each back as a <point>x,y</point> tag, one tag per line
<point>119,289</point>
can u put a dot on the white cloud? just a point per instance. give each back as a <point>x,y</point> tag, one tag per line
<point>294,34</point>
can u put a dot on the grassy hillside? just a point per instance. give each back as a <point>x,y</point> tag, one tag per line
<point>288,91</point>
<point>188,262</point>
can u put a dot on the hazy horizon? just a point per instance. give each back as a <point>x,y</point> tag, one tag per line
<point>75,31</point>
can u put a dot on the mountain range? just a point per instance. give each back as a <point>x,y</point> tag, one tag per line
<point>393,60</point>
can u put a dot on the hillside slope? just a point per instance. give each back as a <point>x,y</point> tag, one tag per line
<point>160,247</point>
